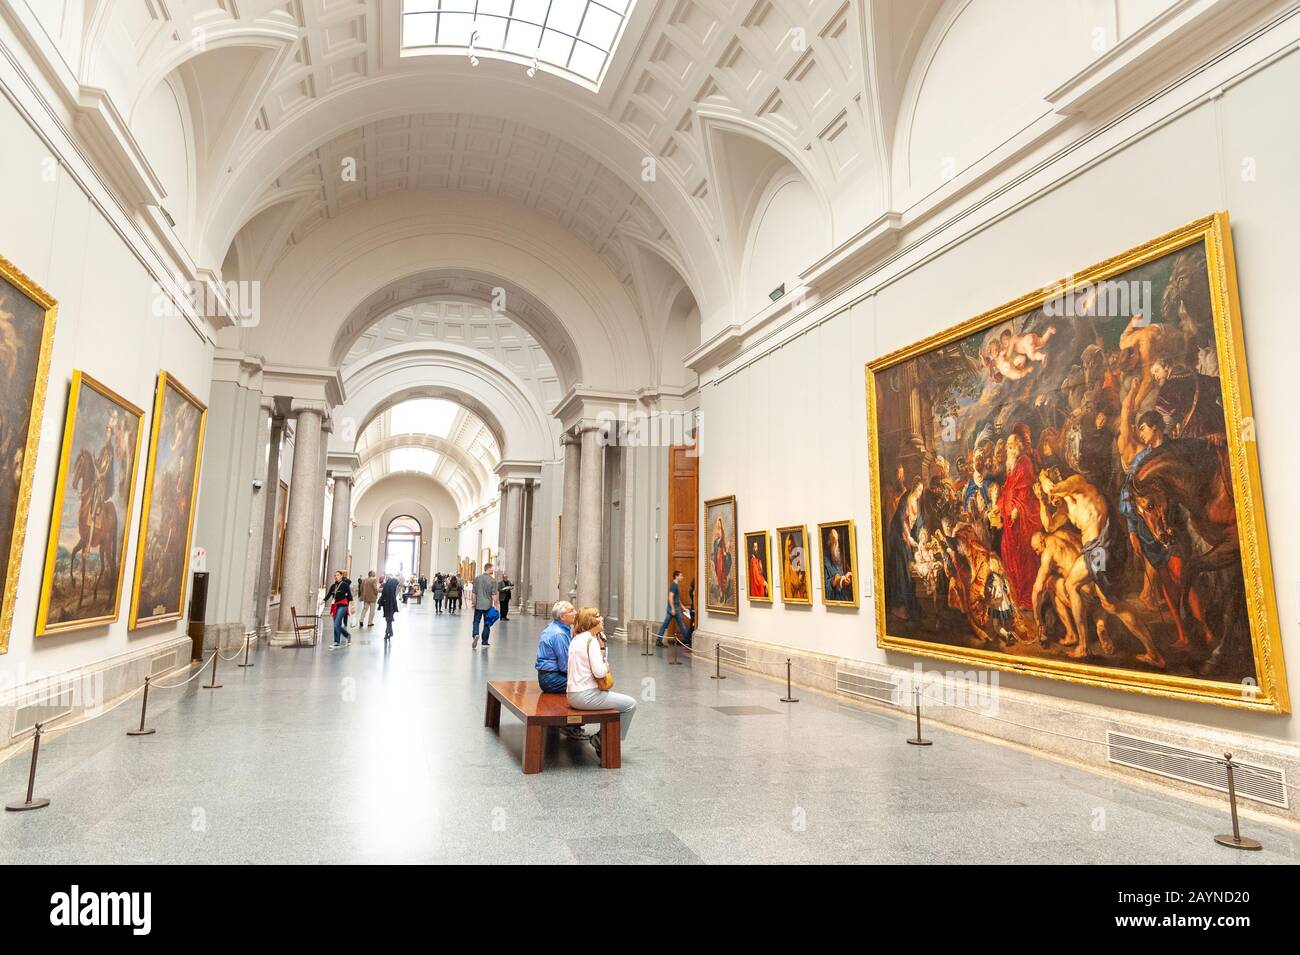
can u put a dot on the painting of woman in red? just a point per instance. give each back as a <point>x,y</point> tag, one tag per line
<point>1020,517</point>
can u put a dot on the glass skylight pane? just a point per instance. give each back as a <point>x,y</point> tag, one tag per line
<point>465,6</point>
<point>495,7</point>
<point>555,48</point>
<point>618,6</point>
<point>533,11</point>
<point>491,33</point>
<point>565,17</point>
<point>587,60</point>
<point>455,29</point>
<point>420,29</point>
<point>600,27</point>
<point>523,38</point>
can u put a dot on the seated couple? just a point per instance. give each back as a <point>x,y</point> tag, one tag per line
<point>572,659</point>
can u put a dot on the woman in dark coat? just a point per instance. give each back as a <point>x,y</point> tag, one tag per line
<point>388,604</point>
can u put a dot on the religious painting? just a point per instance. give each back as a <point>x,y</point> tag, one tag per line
<point>758,561</point>
<point>92,509</point>
<point>839,567</point>
<point>721,592</point>
<point>794,556</point>
<point>1068,485</point>
<point>171,485</point>
<point>27,315</point>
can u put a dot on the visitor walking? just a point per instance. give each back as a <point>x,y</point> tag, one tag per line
<point>484,593</point>
<point>453,595</point>
<point>339,597</point>
<point>674,612</point>
<point>506,590</point>
<point>388,605</point>
<point>369,596</point>
<point>439,592</point>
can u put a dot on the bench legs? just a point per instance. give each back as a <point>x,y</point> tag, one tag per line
<point>492,718</point>
<point>611,756</point>
<point>534,748</point>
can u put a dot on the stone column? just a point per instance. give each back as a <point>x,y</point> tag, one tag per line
<point>523,583</point>
<point>271,494</point>
<point>318,539</point>
<point>506,556</point>
<point>515,542</point>
<point>257,522</point>
<point>591,531</point>
<point>306,492</point>
<point>569,518</point>
<point>341,521</point>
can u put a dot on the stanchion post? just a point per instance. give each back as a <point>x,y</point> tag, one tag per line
<point>216,655</point>
<point>918,740</point>
<point>789,692</point>
<point>645,648</point>
<point>1236,840</point>
<point>717,658</point>
<point>29,802</point>
<point>247,639</point>
<point>144,707</point>
<point>673,661</point>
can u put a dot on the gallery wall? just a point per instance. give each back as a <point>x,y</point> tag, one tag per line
<point>785,425</point>
<point>106,326</point>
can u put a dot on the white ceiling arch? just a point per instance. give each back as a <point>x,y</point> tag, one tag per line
<point>454,460</point>
<point>523,431</point>
<point>341,276</point>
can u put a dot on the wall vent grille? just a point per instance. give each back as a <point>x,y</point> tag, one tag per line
<point>42,711</point>
<point>1259,783</point>
<point>866,687</point>
<point>162,663</point>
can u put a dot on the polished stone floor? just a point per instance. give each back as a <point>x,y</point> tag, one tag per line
<point>367,755</point>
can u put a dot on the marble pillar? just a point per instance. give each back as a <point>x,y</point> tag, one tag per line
<point>341,523</point>
<point>515,542</point>
<point>306,492</point>
<point>257,523</point>
<point>523,585</point>
<point>569,518</point>
<point>591,506</point>
<point>319,573</point>
<point>270,532</point>
<point>505,552</point>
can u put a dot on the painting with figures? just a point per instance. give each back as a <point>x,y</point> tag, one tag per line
<point>1068,485</point>
<point>792,545</point>
<point>162,566</point>
<point>92,509</point>
<point>27,316</point>
<point>758,562</point>
<point>722,595</point>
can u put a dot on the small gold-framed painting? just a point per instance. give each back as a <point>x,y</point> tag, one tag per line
<point>839,551</point>
<point>795,557</point>
<point>93,497</point>
<point>171,486</point>
<point>721,595</point>
<point>27,315</point>
<point>758,566</point>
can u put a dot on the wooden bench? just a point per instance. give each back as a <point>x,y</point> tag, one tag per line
<point>538,710</point>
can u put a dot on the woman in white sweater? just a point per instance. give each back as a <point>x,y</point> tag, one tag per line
<point>588,663</point>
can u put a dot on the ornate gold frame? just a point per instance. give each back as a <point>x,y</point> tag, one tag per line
<point>735,520</point>
<point>16,277</point>
<point>767,549</point>
<point>1266,639</point>
<point>807,548</point>
<point>141,545</point>
<point>80,378</point>
<point>853,563</point>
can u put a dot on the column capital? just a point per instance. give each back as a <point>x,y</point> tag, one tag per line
<point>267,405</point>
<point>306,406</point>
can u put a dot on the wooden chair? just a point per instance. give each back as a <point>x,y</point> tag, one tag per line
<point>304,623</point>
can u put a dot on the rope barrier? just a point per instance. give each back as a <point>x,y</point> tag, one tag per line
<point>202,667</point>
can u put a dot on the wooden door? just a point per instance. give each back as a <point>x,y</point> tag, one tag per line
<point>683,506</point>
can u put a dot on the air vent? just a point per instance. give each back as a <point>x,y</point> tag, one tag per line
<point>732,656</point>
<point>162,664</point>
<point>1252,782</point>
<point>866,687</point>
<point>42,710</point>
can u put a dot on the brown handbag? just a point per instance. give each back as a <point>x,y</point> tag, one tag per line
<point>605,682</point>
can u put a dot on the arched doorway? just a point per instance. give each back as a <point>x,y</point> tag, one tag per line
<point>402,546</point>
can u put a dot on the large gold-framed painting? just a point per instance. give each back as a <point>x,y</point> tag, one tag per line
<point>839,550</point>
<point>27,315</point>
<point>82,586</point>
<point>171,485</point>
<point>1068,485</point>
<point>721,592</point>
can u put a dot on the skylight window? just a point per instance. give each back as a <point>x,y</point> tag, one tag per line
<point>570,38</point>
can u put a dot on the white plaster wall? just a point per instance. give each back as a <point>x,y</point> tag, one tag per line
<point>106,326</point>
<point>789,209</point>
<point>489,522</point>
<point>787,432</point>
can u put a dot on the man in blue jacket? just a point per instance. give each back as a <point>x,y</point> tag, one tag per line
<point>553,656</point>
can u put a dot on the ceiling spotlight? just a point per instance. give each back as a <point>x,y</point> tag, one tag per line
<point>473,60</point>
<point>532,68</point>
